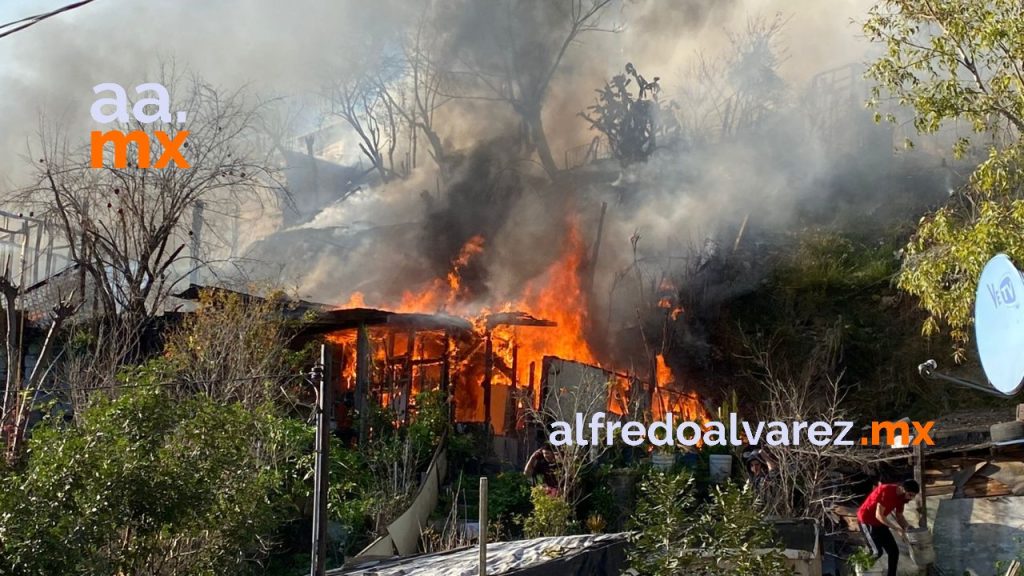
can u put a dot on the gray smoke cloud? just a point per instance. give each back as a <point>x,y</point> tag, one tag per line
<point>388,238</point>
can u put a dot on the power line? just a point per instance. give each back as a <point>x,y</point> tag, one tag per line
<point>33,20</point>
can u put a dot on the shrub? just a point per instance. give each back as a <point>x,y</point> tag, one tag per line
<point>146,484</point>
<point>676,535</point>
<point>551,516</point>
<point>508,501</point>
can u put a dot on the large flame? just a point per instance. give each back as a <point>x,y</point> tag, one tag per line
<point>669,397</point>
<point>556,295</point>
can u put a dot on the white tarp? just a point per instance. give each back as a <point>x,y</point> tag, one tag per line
<point>502,557</point>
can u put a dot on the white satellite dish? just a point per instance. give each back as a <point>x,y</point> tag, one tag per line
<point>999,324</point>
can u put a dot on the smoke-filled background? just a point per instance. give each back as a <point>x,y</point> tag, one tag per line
<point>805,151</point>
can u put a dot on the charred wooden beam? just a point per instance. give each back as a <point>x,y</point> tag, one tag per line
<point>488,373</point>
<point>410,350</point>
<point>363,381</point>
<point>516,319</point>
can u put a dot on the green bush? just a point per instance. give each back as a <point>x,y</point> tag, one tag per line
<point>429,425</point>
<point>508,501</point>
<point>599,499</point>
<point>149,484</point>
<point>551,516</point>
<point>676,535</point>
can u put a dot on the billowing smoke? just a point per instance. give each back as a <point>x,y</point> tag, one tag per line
<point>719,176</point>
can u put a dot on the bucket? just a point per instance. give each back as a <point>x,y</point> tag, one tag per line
<point>719,467</point>
<point>663,461</point>
<point>921,550</point>
<point>879,569</point>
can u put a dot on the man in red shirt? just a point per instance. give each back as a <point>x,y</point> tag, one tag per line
<point>886,499</point>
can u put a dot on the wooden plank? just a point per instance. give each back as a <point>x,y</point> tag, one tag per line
<point>922,499</point>
<point>986,489</point>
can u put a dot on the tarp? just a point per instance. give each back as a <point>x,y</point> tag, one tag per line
<point>585,555</point>
<point>403,534</point>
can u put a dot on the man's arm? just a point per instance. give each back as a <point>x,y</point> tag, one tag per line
<point>530,465</point>
<point>882,514</point>
<point>901,520</point>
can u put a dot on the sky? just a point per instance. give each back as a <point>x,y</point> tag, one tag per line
<point>47,71</point>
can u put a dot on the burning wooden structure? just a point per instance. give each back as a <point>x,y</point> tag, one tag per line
<point>387,358</point>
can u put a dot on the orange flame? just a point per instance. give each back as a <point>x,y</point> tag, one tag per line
<point>556,295</point>
<point>669,398</point>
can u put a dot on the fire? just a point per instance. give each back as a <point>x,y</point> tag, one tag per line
<point>669,398</point>
<point>403,366</point>
<point>356,300</point>
<point>663,374</point>
<point>557,296</point>
<point>472,248</point>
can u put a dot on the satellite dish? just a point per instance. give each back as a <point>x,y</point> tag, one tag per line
<point>999,324</point>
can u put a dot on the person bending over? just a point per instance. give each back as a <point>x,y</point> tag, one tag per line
<point>873,516</point>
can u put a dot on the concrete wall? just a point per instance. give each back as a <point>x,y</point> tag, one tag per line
<point>972,534</point>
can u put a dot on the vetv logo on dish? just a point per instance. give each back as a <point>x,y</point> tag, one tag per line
<point>156,108</point>
<point>1003,294</point>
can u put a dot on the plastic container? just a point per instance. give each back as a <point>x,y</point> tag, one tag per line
<point>663,461</point>
<point>879,569</point>
<point>719,467</point>
<point>921,550</point>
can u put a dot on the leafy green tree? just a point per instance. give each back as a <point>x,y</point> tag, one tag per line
<point>149,484</point>
<point>951,59</point>
<point>676,534</point>
<point>958,60</point>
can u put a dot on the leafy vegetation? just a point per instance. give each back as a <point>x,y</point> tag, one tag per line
<point>677,534</point>
<point>149,484</point>
<point>957,60</point>
<point>551,516</point>
<point>509,501</point>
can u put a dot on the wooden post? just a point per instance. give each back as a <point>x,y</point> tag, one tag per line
<point>483,526</point>
<point>514,419</point>
<point>922,506</point>
<point>363,381</point>
<point>410,351</point>
<point>488,372</point>
<point>597,249</point>
<point>35,256</point>
<point>23,271</point>
<point>532,388</point>
<point>323,437</point>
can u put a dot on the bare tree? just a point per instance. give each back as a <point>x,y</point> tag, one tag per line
<point>514,51</point>
<point>806,480</point>
<point>734,93</point>
<point>19,392</point>
<point>363,101</point>
<point>425,81</point>
<point>128,228</point>
<point>586,395</point>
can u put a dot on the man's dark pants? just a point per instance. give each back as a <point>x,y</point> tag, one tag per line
<point>881,540</point>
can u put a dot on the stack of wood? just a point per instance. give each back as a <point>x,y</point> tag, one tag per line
<point>975,476</point>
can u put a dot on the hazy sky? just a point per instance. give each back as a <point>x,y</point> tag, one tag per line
<point>282,47</point>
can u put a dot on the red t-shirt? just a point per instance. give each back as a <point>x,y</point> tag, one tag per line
<point>888,495</point>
